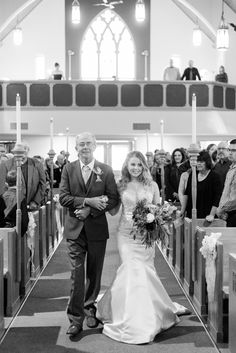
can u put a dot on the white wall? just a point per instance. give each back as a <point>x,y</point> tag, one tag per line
<point>43,34</point>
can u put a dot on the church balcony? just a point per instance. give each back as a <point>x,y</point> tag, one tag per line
<point>117,95</point>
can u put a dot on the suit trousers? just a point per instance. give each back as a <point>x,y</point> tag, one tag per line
<point>84,292</point>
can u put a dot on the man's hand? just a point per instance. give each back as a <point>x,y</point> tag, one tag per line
<point>176,196</point>
<point>99,202</point>
<point>82,213</point>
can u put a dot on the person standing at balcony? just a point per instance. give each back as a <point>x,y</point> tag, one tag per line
<point>171,73</point>
<point>57,74</point>
<point>222,75</point>
<point>191,73</point>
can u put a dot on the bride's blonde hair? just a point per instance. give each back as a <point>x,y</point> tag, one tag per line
<point>145,177</point>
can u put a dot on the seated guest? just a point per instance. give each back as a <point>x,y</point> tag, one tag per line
<point>171,73</point>
<point>33,178</point>
<point>10,201</point>
<point>227,206</point>
<point>57,74</point>
<point>208,190</point>
<point>222,75</point>
<point>191,73</point>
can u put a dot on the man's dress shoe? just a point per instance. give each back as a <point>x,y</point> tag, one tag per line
<point>74,330</point>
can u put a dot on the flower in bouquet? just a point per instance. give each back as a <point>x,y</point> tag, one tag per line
<point>152,222</point>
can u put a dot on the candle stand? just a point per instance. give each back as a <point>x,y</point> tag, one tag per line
<point>193,153</point>
<point>162,166</point>
<point>52,154</point>
<point>18,152</point>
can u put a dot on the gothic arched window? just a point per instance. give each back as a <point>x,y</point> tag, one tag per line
<point>107,49</point>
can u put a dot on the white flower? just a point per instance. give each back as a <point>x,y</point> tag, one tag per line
<point>208,248</point>
<point>150,218</point>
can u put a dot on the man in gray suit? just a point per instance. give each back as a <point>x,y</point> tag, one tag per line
<point>33,178</point>
<point>88,189</point>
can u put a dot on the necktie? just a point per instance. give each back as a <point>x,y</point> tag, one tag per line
<point>86,173</point>
<point>191,75</point>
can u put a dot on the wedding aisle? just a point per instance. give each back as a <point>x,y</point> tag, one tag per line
<point>41,324</point>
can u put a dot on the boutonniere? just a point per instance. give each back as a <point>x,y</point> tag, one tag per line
<point>98,171</point>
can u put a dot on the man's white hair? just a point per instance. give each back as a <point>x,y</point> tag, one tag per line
<point>85,134</point>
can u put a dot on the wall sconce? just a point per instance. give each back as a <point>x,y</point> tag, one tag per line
<point>222,36</point>
<point>70,54</point>
<point>140,11</point>
<point>75,12</point>
<point>197,37</point>
<point>17,36</point>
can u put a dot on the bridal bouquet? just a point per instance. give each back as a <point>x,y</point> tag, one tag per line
<point>150,220</point>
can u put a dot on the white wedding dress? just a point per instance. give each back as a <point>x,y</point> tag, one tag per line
<point>136,307</point>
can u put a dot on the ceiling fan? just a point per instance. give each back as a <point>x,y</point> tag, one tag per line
<point>111,4</point>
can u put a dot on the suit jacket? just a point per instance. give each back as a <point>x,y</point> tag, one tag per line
<point>36,183</point>
<point>195,74</point>
<point>73,191</point>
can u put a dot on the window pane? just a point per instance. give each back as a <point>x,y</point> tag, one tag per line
<point>107,49</point>
<point>118,155</point>
<point>99,153</point>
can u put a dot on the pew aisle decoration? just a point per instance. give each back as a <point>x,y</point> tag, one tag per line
<point>152,222</point>
<point>57,214</point>
<point>31,240</point>
<point>208,251</point>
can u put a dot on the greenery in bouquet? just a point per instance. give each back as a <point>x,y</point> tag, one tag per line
<point>151,221</point>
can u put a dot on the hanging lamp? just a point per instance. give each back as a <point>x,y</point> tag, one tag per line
<point>222,36</point>
<point>197,37</point>
<point>140,11</point>
<point>75,12</point>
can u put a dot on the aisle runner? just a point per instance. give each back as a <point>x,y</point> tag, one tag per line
<point>42,323</point>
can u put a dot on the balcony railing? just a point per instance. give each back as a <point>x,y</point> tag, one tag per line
<point>148,95</point>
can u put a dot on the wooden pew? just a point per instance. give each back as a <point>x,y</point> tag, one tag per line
<point>218,309</point>
<point>232,302</point>
<point>42,236</point>
<point>190,253</point>
<point>49,244</point>
<point>25,283</point>
<point>1,290</point>
<point>11,286</point>
<point>178,244</point>
<point>35,262</point>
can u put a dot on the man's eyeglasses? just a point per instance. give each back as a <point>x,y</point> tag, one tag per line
<point>222,148</point>
<point>232,149</point>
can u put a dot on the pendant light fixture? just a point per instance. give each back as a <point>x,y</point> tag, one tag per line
<point>197,37</point>
<point>140,11</point>
<point>75,13</point>
<point>17,36</point>
<point>222,36</point>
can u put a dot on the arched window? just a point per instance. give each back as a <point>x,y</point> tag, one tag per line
<point>107,49</point>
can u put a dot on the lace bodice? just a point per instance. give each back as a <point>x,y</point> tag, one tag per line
<point>132,194</point>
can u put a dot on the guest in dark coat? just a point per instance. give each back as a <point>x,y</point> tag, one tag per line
<point>222,75</point>
<point>191,73</point>
<point>208,190</point>
<point>173,173</point>
<point>223,164</point>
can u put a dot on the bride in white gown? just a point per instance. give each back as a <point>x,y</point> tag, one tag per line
<point>136,307</point>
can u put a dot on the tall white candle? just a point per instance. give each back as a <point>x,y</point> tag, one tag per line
<point>67,139</point>
<point>18,119</point>
<point>147,138</point>
<point>194,129</point>
<point>162,133</point>
<point>51,133</point>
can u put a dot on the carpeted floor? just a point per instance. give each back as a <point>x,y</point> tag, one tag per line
<point>41,324</point>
